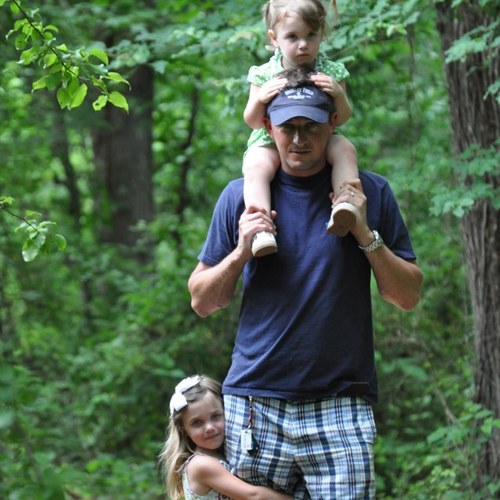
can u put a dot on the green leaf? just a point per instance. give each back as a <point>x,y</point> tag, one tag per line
<point>73,85</point>
<point>49,60</point>
<point>6,200</point>
<point>53,80</point>
<point>30,250</point>
<point>51,27</point>
<point>118,100</point>
<point>100,102</point>
<point>160,66</point>
<point>63,98</point>
<point>14,8</point>
<point>28,56</point>
<point>116,77</point>
<point>78,96</point>
<point>39,84</point>
<point>100,54</point>
<point>32,213</point>
<point>60,241</point>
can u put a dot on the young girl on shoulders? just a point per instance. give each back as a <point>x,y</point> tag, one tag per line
<point>295,28</point>
<point>192,459</point>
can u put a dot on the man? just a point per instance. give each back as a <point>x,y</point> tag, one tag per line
<point>299,390</point>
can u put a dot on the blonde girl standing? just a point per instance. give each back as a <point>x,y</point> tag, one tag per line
<point>192,459</point>
<point>295,29</point>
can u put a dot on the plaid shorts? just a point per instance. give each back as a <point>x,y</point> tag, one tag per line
<point>320,449</point>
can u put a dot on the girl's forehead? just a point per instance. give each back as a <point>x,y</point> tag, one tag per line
<point>291,21</point>
<point>212,399</point>
<point>207,404</point>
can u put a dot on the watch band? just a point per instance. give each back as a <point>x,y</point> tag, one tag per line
<point>376,243</point>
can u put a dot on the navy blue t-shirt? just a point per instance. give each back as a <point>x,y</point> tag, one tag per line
<point>305,329</point>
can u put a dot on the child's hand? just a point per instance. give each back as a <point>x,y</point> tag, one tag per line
<point>327,84</point>
<point>270,89</point>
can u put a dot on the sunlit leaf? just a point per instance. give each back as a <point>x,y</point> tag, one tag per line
<point>79,96</point>
<point>118,100</point>
<point>100,102</point>
<point>100,54</point>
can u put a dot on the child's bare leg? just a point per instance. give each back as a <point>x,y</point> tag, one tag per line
<point>259,168</point>
<point>342,155</point>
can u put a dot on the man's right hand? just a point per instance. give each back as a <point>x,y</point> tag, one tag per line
<point>253,220</point>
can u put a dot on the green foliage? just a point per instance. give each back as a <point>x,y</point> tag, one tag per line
<point>70,72</point>
<point>454,460</point>
<point>40,235</point>
<point>91,343</point>
<point>471,171</point>
<point>481,40</point>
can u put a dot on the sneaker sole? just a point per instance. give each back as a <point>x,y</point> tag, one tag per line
<point>263,250</point>
<point>341,222</point>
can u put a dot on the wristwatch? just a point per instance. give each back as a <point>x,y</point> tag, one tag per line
<point>376,243</point>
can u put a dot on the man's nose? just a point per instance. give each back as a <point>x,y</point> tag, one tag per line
<point>298,136</point>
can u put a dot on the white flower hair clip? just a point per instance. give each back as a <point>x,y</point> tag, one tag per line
<point>178,400</point>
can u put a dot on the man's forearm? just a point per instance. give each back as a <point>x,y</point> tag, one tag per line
<point>398,280</point>
<point>212,288</point>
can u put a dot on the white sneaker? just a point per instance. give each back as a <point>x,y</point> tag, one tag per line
<point>264,243</point>
<point>342,219</point>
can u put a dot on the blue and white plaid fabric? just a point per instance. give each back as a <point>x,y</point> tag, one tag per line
<point>321,449</point>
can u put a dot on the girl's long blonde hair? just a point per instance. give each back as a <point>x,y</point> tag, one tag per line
<point>178,447</point>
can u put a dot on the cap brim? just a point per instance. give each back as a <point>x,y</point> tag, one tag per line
<point>280,116</point>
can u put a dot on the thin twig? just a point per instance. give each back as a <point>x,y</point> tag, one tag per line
<point>54,51</point>
<point>2,206</point>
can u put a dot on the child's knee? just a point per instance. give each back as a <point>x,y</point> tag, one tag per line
<point>261,161</point>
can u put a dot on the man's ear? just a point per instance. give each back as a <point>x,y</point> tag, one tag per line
<point>334,119</point>
<point>268,126</point>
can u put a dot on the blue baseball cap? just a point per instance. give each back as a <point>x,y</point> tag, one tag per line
<point>307,102</point>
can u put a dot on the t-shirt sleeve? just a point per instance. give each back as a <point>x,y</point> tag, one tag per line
<point>393,228</point>
<point>385,216</point>
<point>222,236</point>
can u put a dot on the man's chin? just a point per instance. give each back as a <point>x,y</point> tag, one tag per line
<point>304,168</point>
<point>299,167</point>
<point>298,160</point>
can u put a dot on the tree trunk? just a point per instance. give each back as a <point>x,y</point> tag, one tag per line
<point>186,165</point>
<point>61,150</point>
<point>124,162</point>
<point>476,120</point>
